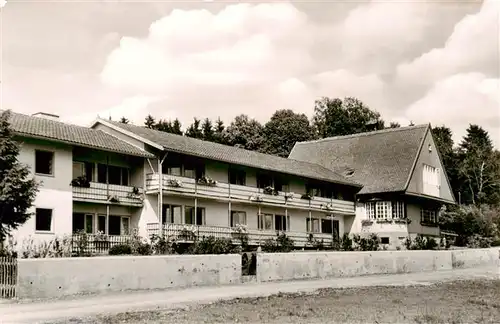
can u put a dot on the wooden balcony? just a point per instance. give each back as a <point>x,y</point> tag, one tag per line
<point>109,194</point>
<point>243,194</point>
<point>256,237</point>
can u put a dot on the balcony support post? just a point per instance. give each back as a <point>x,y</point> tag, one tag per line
<point>229,203</point>
<point>160,193</point>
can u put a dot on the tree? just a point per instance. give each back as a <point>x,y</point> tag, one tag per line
<point>245,133</point>
<point>207,130</point>
<point>124,120</point>
<point>479,167</point>
<point>334,117</point>
<point>394,125</point>
<point>283,130</point>
<point>17,189</point>
<point>150,122</point>
<point>176,127</point>
<point>219,131</point>
<point>164,126</point>
<point>194,129</point>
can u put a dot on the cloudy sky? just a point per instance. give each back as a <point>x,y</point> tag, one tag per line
<point>424,61</point>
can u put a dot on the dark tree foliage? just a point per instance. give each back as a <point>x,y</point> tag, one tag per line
<point>245,133</point>
<point>124,120</point>
<point>336,117</point>
<point>194,129</point>
<point>283,130</point>
<point>207,130</point>
<point>17,187</point>
<point>149,122</point>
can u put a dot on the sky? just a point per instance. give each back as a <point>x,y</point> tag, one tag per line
<point>420,61</point>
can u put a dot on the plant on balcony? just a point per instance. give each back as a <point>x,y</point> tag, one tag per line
<point>384,221</point>
<point>366,222</point>
<point>174,183</point>
<point>327,207</point>
<point>402,221</point>
<point>270,191</point>
<point>135,193</point>
<point>206,181</point>
<point>113,199</point>
<point>288,195</point>
<point>81,182</point>
<point>257,198</point>
<point>307,196</point>
<point>187,233</point>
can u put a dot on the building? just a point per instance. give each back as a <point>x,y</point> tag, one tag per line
<point>404,182</point>
<point>114,177</point>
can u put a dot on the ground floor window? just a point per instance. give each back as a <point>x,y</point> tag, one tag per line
<point>43,220</point>
<point>83,222</point>
<point>193,218</point>
<point>172,214</point>
<point>265,221</point>
<point>281,223</point>
<point>91,223</point>
<point>428,216</point>
<point>238,218</point>
<point>312,225</point>
<point>384,240</point>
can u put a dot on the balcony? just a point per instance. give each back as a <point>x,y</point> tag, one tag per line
<point>109,194</point>
<point>255,237</point>
<point>223,191</point>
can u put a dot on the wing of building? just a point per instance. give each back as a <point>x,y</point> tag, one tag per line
<point>403,177</point>
<point>113,178</point>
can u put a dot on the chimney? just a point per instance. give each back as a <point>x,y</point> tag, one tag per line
<point>46,115</point>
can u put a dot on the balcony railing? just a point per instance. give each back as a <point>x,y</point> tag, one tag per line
<point>189,187</point>
<point>85,244</point>
<point>113,194</point>
<point>187,233</point>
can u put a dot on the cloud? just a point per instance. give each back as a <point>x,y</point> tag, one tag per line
<point>242,44</point>
<point>472,47</point>
<point>133,108</point>
<point>460,100</point>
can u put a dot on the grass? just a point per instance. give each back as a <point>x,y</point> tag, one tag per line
<point>475,301</point>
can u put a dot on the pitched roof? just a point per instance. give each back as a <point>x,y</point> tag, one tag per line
<point>31,126</point>
<point>382,160</point>
<point>234,155</point>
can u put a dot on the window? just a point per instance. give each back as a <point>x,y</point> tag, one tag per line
<point>118,225</point>
<point>265,221</point>
<point>237,177</point>
<point>83,169</point>
<point>264,180</point>
<point>194,170</point>
<point>281,184</point>
<point>431,181</point>
<point>44,161</point>
<point>384,240</point>
<point>312,225</point>
<point>281,223</point>
<point>83,222</point>
<point>43,220</point>
<point>101,223</point>
<point>385,209</point>
<point>191,218</point>
<point>112,174</point>
<point>172,214</point>
<point>238,218</point>
<point>428,216</point>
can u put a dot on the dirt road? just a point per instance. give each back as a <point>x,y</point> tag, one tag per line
<point>43,311</point>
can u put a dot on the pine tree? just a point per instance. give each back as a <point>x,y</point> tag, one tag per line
<point>17,188</point>
<point>219,131</point>
<point>207,130</point>
<point>176,127</point>
<point>194,129</point>
<point>150,122</point>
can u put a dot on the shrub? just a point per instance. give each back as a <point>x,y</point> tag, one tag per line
<point>421,243</point>
<point>139,245</point>
<point>282,243</point>
<point>346,243</point>
<point>212,245</point>
<point>370,243</point>
<point>477,241</point>
<point>55,248</point>
<point>160,244</point>
<point>120,249</point>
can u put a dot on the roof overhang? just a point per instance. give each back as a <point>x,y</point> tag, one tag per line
<point>26,135</point>
<point>438,199</point>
